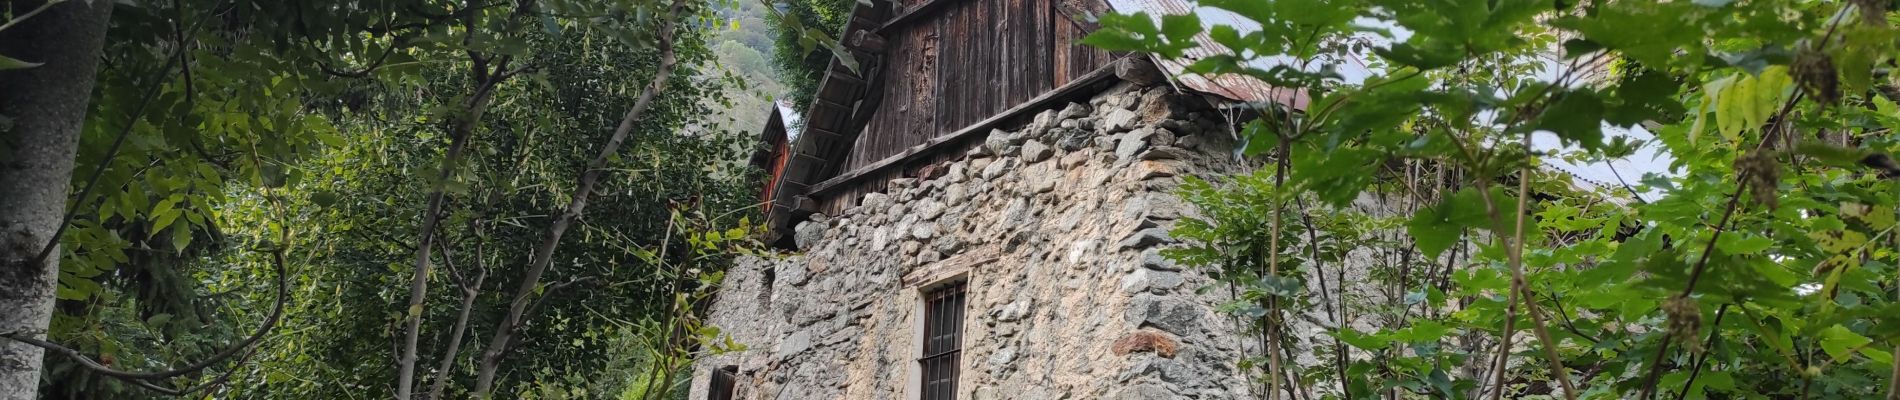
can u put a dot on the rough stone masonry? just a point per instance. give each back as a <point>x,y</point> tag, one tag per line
<point>1056,228</point>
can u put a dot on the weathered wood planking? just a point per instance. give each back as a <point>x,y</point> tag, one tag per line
<point>953,63</point>
<point>842,191</point>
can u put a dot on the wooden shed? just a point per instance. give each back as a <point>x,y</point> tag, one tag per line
<point>932,77</point>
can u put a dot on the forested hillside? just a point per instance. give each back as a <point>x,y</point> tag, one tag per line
<point>371,199</point>
<point>541,199</point>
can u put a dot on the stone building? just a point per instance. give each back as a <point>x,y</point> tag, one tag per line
<point>1046,236</point>
<point>975,209</point>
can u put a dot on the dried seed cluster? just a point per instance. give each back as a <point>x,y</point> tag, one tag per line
<point>1762,173</point>
<point>1814,70</point>
<point>1685,321</point>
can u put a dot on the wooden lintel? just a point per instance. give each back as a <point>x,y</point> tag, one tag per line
<point>1083,83</point>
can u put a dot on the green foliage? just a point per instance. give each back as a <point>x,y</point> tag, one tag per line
<point>802,27</point>
<point>1766,269</point>
<point>216,127</point>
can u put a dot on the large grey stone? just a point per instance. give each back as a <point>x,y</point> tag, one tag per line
<point>793,344</point>
<point>1000,141</point>
<point>1017,214</point>
<point>1166,153</point>
<point>1154,205</point>
<point>1015,311</point>
<point>924,230</point>
<point>1132,143</point>
<point>997,168</point>
<point>927,209</point>
<point>947,244</point>
<point>1145,392</point>
<point>1003,357</point>
<point>808,233</point>
<point>956,173</point>
<point>1072,140</point>
<point>793,274</point>
<point>1146,279</point>
<point>1152,259</point>
<point>1120,120</point>
<point>1173,315</point>
<point>1074,110</point>
<point>1034,151</point>
<point>1146,238</point>
<point>875,201</point>
<point>956,194</point>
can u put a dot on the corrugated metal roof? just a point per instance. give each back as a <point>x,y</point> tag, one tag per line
<point>1355,69</point>
<point>1230,86</point>
<point>794,121</point>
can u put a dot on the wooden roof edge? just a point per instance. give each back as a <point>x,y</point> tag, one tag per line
<point>816,160</point>
<point>769,137</point>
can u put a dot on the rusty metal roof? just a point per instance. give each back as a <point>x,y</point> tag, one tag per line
<point>1234,87</point>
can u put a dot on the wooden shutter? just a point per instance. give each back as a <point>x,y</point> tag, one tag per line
<point>943,341</point>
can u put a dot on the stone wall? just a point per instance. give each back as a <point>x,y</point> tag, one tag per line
<point>1056,227</point>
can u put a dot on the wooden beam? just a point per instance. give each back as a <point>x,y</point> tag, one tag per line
<point>821,132</point>
<point>865,41</point>
<point>1081,13</point>
<point>843,76</point>
<point>810,158</point>
<point>805,204</point>
<point>832,104</point>
<point>1080,84</point>
<point>908,16</point>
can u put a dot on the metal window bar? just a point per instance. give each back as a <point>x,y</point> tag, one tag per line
<point>723,380</point>
<point>943,341</point>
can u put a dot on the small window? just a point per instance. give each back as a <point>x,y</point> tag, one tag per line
<point>723,380</point>
<point>943,341</point>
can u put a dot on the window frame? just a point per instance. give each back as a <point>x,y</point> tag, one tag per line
<point>937,362</point>
<point>714,391</point>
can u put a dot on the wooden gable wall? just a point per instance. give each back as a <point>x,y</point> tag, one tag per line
<point>952,63</point>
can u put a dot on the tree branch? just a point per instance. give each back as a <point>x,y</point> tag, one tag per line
<point>469,292</point>
<point>544,252</point>
<point>277,311</point>
<point>459,133</point>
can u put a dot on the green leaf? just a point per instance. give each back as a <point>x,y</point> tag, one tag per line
<point>323,198</point>
<point>162,220</point>
<point>1361,340</point>
<point>158,320</point>
<point>1180,27</point>
<point>1841,343</point>
<point>7,63</point>
<point>181,237</point>
<point>1432,233</point>
<point>1743,243</point>
<point>1577,117</point>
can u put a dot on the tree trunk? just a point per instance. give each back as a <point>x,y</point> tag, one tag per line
<point>41,112</point>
